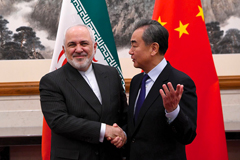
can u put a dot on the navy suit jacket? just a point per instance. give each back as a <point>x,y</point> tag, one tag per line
<point>152,137</point>
<point>74,113</point>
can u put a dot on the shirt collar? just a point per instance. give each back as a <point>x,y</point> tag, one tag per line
<point>156,71</point>
<point>87,72</point>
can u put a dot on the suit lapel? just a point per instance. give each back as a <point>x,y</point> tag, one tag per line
<point>82,87</point>
<point>153,93</point>
<point>134,88</point>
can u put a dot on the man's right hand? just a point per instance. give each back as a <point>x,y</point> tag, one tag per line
<point>116,135</point>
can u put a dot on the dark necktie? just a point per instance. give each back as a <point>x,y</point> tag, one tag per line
<point>141,97</point>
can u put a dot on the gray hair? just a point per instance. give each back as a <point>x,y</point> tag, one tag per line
<point>154,32</point>
<point>89,29</point>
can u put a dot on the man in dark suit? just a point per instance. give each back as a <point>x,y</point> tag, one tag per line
<point>166,121</point>
<point>83,103</point>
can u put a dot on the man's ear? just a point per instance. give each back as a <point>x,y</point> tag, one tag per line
<point>155,48</point>
<point>95,47</point>
<point>63,49</point>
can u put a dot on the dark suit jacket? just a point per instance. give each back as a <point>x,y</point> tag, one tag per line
<point>152,138</point>
<point>74,113</point>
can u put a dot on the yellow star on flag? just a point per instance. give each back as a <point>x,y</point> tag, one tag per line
<point>162,23</point>
<point>182,29</point>
<point>200,14</point>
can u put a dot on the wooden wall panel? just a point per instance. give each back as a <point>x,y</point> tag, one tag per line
<point>32,88</point>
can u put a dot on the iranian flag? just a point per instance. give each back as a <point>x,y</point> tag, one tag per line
<point>95,15</point>
<point>189,51</point>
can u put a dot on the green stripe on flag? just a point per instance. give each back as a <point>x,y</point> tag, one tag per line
<point>97,11</point>
<point>95,15</point>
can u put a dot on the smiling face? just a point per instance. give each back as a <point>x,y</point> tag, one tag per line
<point>140,52</point>
<point>79,48</point>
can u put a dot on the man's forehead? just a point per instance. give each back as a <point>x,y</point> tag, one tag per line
<point>136,37</point>
<point>77,40</point>
<point>78,35</point>
<point>78,30</point>
<point>74,28</point>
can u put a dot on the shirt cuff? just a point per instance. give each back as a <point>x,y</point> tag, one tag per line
<point>172,115</point>
<point>102,132</point>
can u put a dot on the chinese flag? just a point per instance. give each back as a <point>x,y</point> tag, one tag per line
<point>189,51</point>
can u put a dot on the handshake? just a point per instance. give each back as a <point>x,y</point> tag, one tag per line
<point>116,135</point>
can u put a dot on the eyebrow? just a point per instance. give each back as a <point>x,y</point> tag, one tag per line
<point>133,41</point>
<point>70,42</point>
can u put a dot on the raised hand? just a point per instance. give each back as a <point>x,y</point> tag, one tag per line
<point>171,97</point>
<point>116,135</point>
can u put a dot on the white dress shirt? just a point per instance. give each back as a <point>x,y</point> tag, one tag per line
<point>153,75</point>
<point>90,78</point>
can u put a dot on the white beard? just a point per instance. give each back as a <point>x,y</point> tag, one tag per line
<point>81,66</point>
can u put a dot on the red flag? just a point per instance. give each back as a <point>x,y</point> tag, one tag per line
<point>189,51</point>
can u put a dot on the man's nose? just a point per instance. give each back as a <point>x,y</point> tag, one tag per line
<point>130,51</point>
<point>78,48</point>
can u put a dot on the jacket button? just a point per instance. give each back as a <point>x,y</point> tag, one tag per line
<point>174,129</point>
<point>133,140</point>
<point>96,153</point>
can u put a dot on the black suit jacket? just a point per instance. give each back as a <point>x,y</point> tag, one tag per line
<point>74,113</point>
<point>152,137</point>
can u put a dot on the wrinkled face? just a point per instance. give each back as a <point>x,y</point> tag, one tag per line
<point>79,48</point>
<point>140,53</point>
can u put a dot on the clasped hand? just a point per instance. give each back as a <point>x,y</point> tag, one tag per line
<point>116,135</point>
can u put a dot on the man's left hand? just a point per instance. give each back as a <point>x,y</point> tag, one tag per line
<point>171,97</point>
